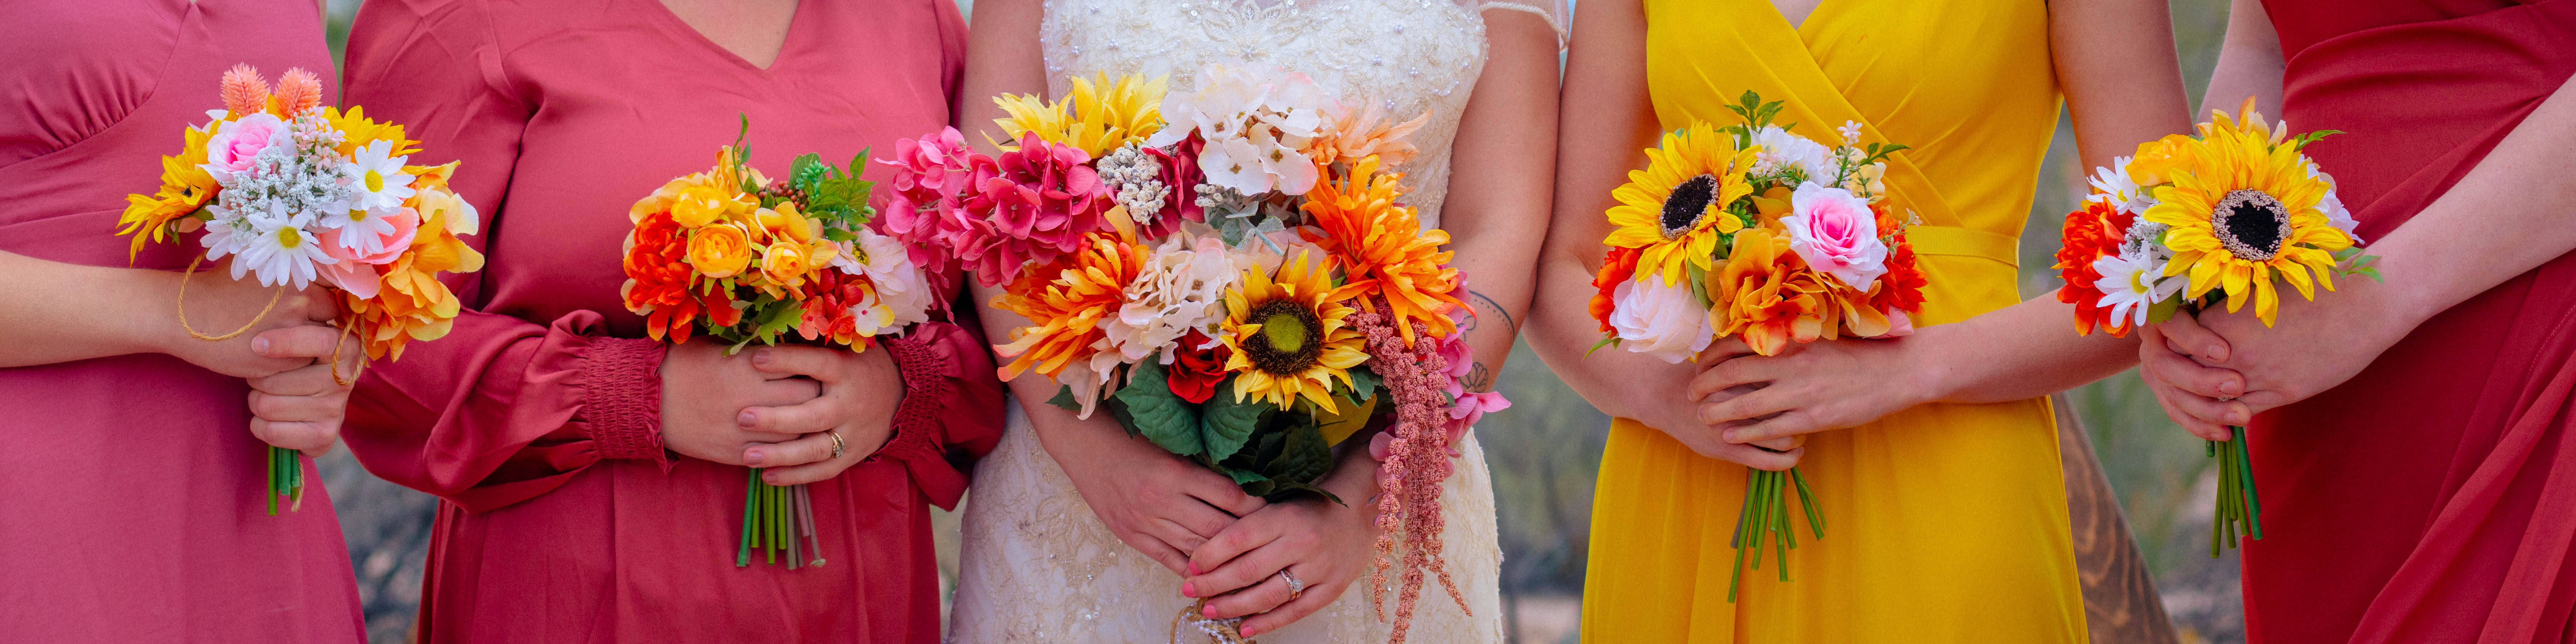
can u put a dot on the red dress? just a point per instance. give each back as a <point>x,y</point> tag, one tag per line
<point>537,418</point>
<point>2433,497</point>
<point>130,485</point>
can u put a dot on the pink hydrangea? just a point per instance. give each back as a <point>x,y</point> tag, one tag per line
<point>1034,209</point>
<point>931,176</point>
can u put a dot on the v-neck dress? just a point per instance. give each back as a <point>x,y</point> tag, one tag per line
<point>130,485</point>
<point>537,419</point>
<point>1943,522</point>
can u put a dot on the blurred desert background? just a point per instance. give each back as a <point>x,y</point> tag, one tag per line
<point>1545,449</point>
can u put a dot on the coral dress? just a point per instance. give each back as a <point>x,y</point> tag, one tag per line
<point>2427,499</point>
<point>1944,523</point>
<point>130,485</point>
<point>537,419</point>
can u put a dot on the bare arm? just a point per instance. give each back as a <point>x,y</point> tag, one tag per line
<point>2249,62</point>
<point>1002,57</point>
<point>1499,188</point>
<point>60,312</point>
<point>1604,123</point>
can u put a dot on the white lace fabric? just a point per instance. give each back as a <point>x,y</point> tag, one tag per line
<point>1037,565</point>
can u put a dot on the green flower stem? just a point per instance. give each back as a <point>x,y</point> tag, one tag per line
<point>2239,508</point>
<point>1764,523</point>
<point>750,505</point>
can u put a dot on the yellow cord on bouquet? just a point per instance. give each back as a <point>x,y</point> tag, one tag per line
<point>246,326</point>
<point>354,370</point>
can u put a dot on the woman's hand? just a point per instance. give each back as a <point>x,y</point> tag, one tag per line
<point>1810,387</point>
<point>1680,420</point>
<point>1325,545</point>
<point>2200,399</point>
<point>860,393</point>
<point>2311,347</point>
<point>1158,503</point>
<point>704,392</point>
<point>300,409</point>
<point>216,304</point>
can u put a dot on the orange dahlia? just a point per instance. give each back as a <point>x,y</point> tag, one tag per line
<point>1384,247</point>
<point>1065,301</point>
<point>1617,267</point>
<point>2091,233</point>
<point>659,278</point>
<point>1766,294</point>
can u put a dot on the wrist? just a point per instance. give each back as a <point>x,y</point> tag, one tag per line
<point>159,331</point>
<point>1921,376</point>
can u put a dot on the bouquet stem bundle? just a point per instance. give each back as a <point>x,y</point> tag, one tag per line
<point>1766,516</point>
<point>285,478</point>
<point>2240,511</point>
<point>778,520</point>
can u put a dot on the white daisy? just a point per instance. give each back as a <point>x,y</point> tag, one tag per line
<point>274,247</point>
<point>378,179</point>
<point>1782,150</point>
<point>362,230</point>
<point>2132,283</point>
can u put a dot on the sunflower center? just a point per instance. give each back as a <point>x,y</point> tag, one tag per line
<point>1688,204</point>
<point>2251,224</point>
<point>1288,343</point>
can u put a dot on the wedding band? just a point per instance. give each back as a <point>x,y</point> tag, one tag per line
<point>1296,588</point>
<point>838,447</point>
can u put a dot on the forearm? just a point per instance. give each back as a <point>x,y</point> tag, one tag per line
<point>2021,351</point>
<point>1499,185</point>
<point>60,312</point>
<point>2115,60</point>
<point>2249,63</point>
<point>1002,57</point>
<point>2507,216</point>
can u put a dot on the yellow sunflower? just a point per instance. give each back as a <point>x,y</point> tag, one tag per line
<point>1287,335</point>
<point>2242,206</point>
<point>1675,209</point>
<point>1095,117</point>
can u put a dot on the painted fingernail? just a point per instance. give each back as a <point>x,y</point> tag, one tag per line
<point>745,418</point>
<point>760,358</point>
<point>1194,569</point>
<point>1208,611</point>
<point>1189,589</point>
<point>259,345</point>
<point>755,457</point>
<point>1728,436</point>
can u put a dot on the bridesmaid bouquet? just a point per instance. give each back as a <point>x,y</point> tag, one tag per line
<point>1242,286</point>
<point>297,193</point>
<point>2194,220</point>
<point>745,258</point>
<point>1749,230</point>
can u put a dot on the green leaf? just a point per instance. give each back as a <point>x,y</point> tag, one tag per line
<point>1364,384</point>
<point>1610,341</point>
<point>1162,417</point>
<point>2163,310</point>
<point>1225,424</point>
<point>1304,456</point>
<point>1241,476</point>
<point>1064,400</point>
<point>1285,488</point>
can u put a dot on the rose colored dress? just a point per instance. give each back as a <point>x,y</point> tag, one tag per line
<point>537,419</point>
<point>130,486</point>
<point>2433,497</point>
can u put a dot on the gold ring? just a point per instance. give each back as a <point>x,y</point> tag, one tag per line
<point>1296,588</point>
<point>838,447</point>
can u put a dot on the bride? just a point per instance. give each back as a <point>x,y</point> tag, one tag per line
<point>1161,530</point>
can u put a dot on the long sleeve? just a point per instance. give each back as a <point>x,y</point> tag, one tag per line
<point>952,407</point>
<point>501,409</point>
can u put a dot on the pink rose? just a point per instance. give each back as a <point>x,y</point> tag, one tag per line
<point>238,142</point>
<point>406,225</point>
<point>1837,234</point>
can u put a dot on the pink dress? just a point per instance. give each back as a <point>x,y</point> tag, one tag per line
<point>129,486</point>
<point>537,419</point>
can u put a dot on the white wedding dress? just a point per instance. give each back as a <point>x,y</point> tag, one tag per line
<point>1037,565</point>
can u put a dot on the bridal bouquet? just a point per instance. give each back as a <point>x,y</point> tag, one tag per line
<point>1242,285</point>
<point>298,193</point>
<point>2194,220</point>
<point>745,258</point>
<point>1751,231</point>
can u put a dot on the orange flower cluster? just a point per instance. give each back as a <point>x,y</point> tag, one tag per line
<point>1384,247</point>
<point>702,241</point>
<point>1771,297</point>
<point>412,304</point>
<point>1619,266</point>
<point>1067,300</point>
<point>2092,232</point>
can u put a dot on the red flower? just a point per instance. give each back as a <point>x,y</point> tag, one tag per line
<point>1619,266</point>
<point>1182,177</point>
<point>1901,289</point>
<point>2091,233</point>
<point>827,309</point>
<point>659,280</point>
<point>1198,365</point>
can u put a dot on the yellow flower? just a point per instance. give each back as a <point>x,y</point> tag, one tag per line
<point>1675,207</point>
<point>357,131</point>
<point>185,187</point>
<point>2243,206</point>
<point>1096,118</point>
<point>785,265</point>
<point>719,250</point>
<point>1288,336</point>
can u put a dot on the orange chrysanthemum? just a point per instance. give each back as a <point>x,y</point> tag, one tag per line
<point>1385,248</point>
<point>1065,301</point>
<point>2091,233</point>
<point>1617,267</point>
<point>1767,295</point>
<point>413,304</point>
<point>1369,133</point>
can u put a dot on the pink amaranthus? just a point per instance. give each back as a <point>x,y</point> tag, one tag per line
<point>1417,458</point>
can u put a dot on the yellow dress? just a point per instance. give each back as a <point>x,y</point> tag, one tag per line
<point>1944,523</point>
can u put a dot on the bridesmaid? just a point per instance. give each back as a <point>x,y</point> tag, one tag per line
<point>549,426</point>
<point>2409,437</point>
<point>1933,456</point>
<point>131,467</point>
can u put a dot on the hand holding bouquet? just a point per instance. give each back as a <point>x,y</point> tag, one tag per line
<point>296,193</point>
<point>2195,220</point>
<point>1243,287</point>
<point>1752,231</point>
<point>745,258</point>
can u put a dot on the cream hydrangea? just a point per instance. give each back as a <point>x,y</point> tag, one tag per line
<point>1181,288</point>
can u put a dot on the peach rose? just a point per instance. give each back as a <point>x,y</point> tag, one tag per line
<point>719,250</point>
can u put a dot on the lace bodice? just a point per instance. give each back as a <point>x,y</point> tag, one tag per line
<point>1407,55</point>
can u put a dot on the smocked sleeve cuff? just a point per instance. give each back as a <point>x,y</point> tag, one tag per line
<point>951,411</point>
<point>621,406</point>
